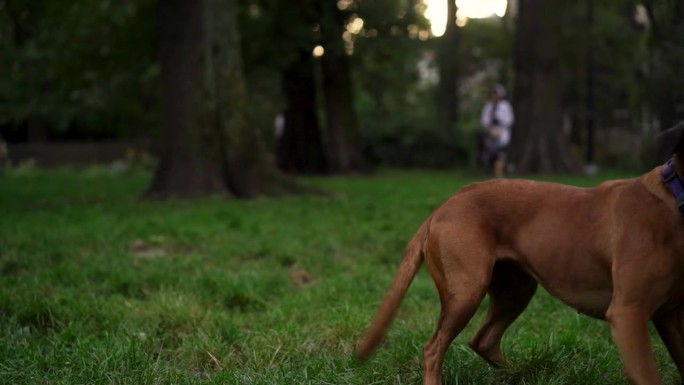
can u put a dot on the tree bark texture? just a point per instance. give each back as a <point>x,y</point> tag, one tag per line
<point>344,144</point>
<point>184,168</point>
<point>208,147</point>
<point>539,144</point>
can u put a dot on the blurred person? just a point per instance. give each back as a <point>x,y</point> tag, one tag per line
<point>497,119</point>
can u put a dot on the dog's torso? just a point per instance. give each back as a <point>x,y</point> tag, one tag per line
<point>614,252</point>
<point>571,239</point>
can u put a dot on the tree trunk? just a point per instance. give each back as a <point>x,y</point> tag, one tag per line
<point>208,147</point>
<point>448,69</point>
<point>344,144</point>
<point>539,143</point>
<point>300,148</point>
<point>182,169</point>
<point>508,31</point>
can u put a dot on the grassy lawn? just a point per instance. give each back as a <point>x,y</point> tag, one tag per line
<point>100,287</point>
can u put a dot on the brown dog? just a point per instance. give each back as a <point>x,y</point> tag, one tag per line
<point>614,252</point>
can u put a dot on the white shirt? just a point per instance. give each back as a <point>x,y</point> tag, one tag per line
<point>504,114</point>
<point>279,125</point>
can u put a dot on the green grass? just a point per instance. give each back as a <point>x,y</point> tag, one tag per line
<point>100,287</point>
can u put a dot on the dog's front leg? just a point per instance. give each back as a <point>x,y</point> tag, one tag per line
<point>670,327</point>
<point>629,326</point>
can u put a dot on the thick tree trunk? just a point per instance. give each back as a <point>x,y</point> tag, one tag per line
<point>539,143</point>
<point>184,169</point>
<point>300,148</point>
<point>208,146</point>
<point>344,144</point>
<point>448,69</point>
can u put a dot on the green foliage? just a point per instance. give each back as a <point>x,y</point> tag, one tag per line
<point>409,133</point>
<point>391,103</point>
<point>482,42</point>
<point>79,65</point>
<point>101,287</point>
<point>90,69</point>
<point>619,54</point>
<point>396,108</point>
<point>273,32</point>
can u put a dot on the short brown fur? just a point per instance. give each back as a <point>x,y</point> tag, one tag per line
<point>614,252</point>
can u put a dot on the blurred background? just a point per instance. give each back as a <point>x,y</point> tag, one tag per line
<point>342,86</point>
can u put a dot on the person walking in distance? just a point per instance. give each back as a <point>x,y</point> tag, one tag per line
<point>497,119</point>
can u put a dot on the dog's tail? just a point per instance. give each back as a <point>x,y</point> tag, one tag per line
<point>413,257</point>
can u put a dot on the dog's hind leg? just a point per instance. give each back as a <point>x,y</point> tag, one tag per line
<point>510,292</point>
<point>462,279</point>
<point>670,327</point>
<point>455,314</point>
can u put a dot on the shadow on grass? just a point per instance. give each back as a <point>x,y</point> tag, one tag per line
<point>544,365</point>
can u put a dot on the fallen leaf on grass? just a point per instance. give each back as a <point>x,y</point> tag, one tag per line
<point>144,250</point>
<point>299,277</point>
